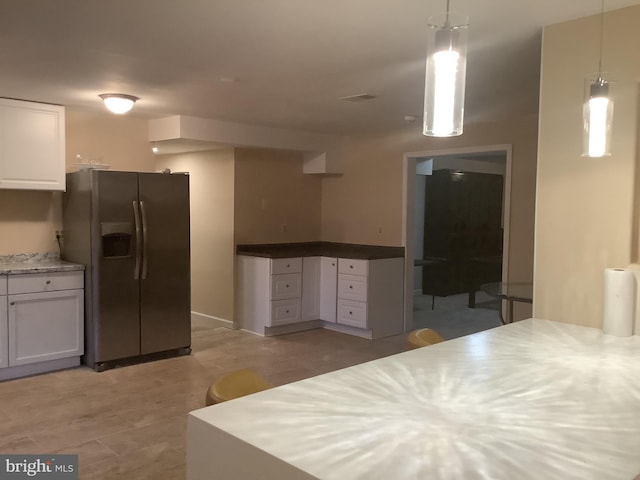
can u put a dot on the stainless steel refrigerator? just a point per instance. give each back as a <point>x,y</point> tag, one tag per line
<point>131,231</point>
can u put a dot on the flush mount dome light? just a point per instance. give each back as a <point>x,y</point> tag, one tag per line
<point>118,103</point>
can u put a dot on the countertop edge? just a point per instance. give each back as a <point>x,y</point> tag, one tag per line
<point>22,268</point>
<point>324,249</point>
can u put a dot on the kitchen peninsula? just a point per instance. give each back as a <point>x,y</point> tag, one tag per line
<point>529,400</point>
<point>354,289</point>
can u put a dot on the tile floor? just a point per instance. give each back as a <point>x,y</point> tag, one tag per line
<point>451,317</point>
<point>130,423</point>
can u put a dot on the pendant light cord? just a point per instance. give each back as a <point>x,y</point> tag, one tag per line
<point>446,23</point>
<point>601,38</point>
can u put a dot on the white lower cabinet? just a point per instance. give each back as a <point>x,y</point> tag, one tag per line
<point>371,295</point>
<point>328,288</point>
<point>365,296</point>
<point>42,322</point>
<point>269,292</point>
<point>45,326</point>
<point>311,282</point>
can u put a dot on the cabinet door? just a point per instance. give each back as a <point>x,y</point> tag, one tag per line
<point>45,326</point>
<point>311,288</point>
<point>4,356</point>
<point>31,146</point>
<point>328,288</point>
<point>165,286</point>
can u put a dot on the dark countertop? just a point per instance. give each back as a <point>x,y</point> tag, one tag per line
<point>323,249</point>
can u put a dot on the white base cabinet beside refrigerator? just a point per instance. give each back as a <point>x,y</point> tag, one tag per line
<point>43,317</point>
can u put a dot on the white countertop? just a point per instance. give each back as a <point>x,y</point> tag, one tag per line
<point>530,400</point>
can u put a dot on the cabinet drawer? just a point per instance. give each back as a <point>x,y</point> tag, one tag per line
<point>284,311</point>
<point>353,314</point>
<point>286,265</point>
<point>353,267</point>
<point>3,284</point>
<point>352,287</point>
<point>286,286</point>
<point>45,282</point>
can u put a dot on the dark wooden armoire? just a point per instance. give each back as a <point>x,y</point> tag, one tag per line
<point>462,231</point>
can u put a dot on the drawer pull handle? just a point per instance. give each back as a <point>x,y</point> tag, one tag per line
<point>350,312</point>
<point>333,264</point>
<point>350,286</point>
<point>287,285</point>
<point>48,282</point>
<point>12,303</point>
<point>350,266</point>
<point>288,265</point>
<point>287,311</point>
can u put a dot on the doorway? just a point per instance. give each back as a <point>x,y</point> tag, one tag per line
<point>451,307</point>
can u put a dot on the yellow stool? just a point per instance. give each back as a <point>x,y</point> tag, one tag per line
<point>235,385</point>
<point>423,338</point>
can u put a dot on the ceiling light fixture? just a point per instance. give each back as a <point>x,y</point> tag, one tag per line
<point>597,111</point>
<point>445,75</point>
<point>118,103</point>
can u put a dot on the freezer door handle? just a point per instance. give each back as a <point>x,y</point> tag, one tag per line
<point>136,216</point>
<point>144,240</point>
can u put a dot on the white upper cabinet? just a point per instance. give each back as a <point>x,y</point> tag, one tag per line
<point>32,153</point>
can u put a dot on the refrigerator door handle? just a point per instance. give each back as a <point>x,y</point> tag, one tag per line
<point>136,216</point>
<point>144,240</point>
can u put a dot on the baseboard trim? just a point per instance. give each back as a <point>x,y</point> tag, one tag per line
<point>211,320</point>
<point>292,328</point>
<point>358,332</point>
<point>37,368</point>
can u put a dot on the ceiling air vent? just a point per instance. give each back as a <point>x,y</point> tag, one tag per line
<point>358,98</point>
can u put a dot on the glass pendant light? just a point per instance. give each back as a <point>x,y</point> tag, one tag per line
<point>597,112</point>
<point>445,75</point>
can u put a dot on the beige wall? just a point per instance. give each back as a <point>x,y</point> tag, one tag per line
<point>368,197</point>
<point>211,181</point>
<point>121,141</point>
<point>585,206</point>
<point>28,219</point>
<point>274,201</point>
<point>241,196</point>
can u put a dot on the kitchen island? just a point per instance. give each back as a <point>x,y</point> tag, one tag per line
<point>530,400</point>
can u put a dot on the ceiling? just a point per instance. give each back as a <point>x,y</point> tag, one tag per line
<point>278,63</point>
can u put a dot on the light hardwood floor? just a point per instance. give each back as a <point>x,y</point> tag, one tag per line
<point>130,423</point>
